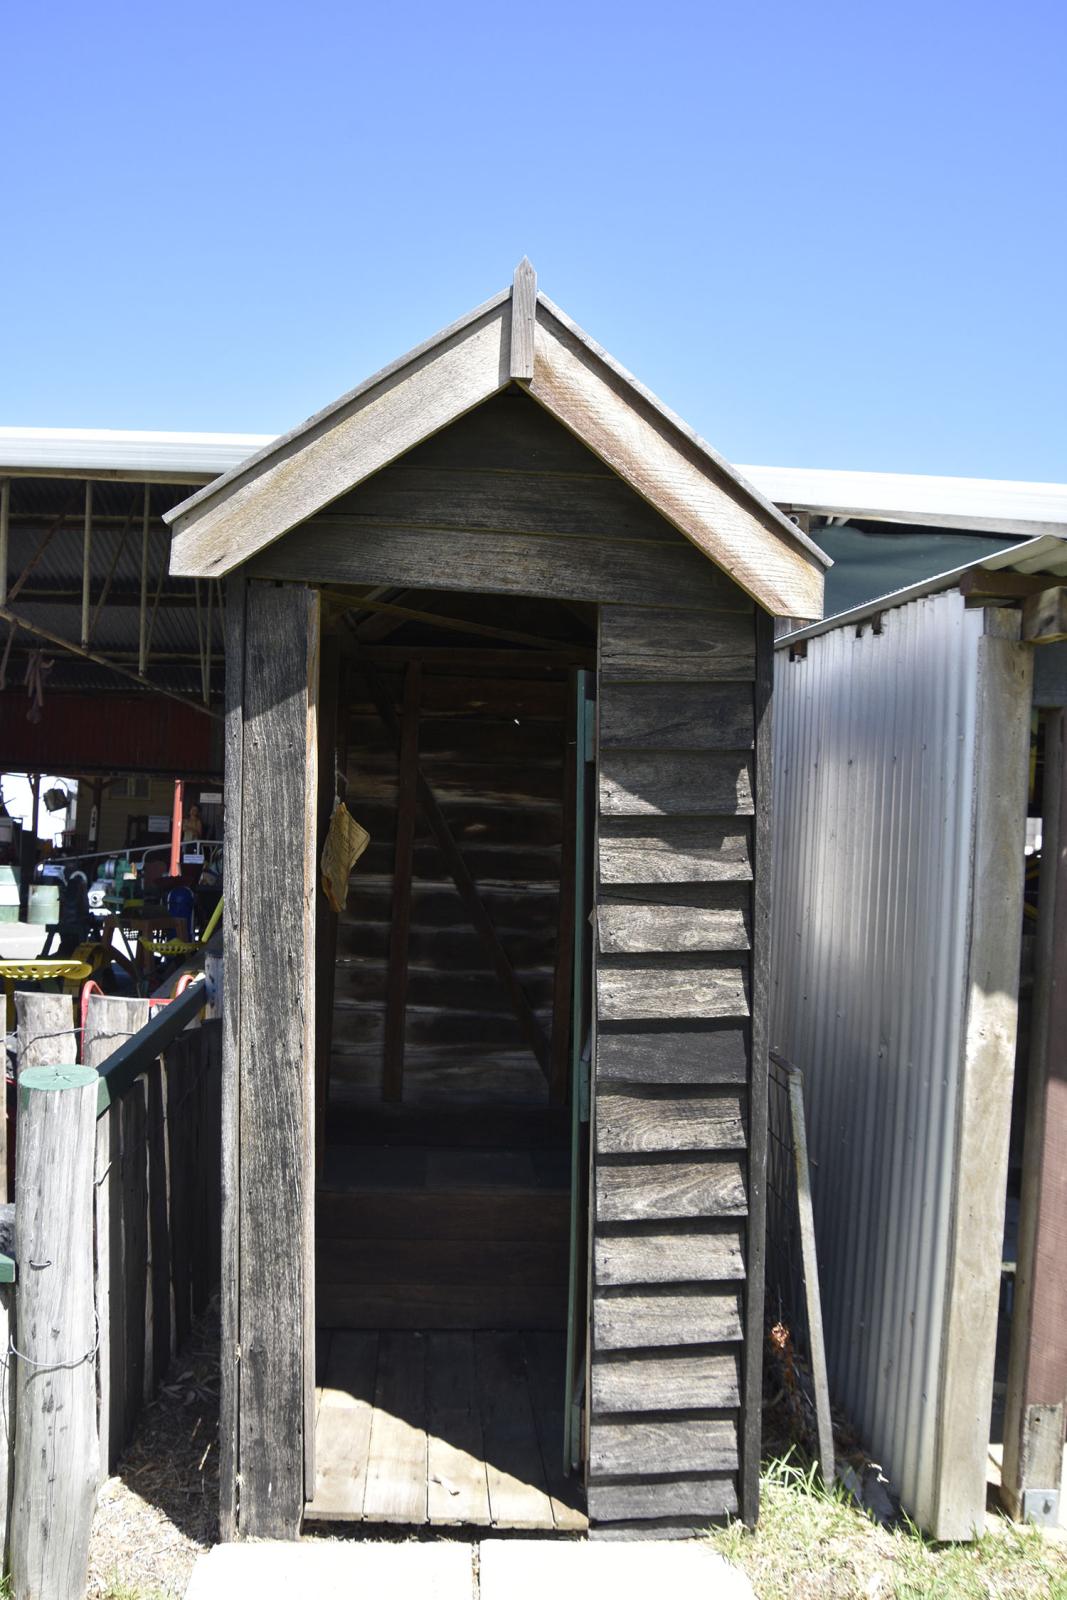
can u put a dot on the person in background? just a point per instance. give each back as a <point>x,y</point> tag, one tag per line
<point>75,918</point>
<point>192,826</point>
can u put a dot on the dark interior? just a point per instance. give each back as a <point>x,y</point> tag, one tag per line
<point>445,1138</point>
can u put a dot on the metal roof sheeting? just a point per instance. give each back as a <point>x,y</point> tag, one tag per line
<point>874,787</point>
<point>116,453</point>
<point>999,505</point>
<point>996,505</point>
<point>1046,554</point>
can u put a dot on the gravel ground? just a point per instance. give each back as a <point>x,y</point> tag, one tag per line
<point>160,1510</point>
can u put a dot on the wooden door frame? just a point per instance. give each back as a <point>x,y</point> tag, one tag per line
<point>267,1381</point>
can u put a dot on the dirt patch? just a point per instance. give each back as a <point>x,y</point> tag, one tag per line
<point>160,1510</point>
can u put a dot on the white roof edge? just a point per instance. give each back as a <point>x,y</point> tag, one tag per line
<point>123,452</point>
<point>999,504</point>
<point>901,496</point>
<point>1028,556</point>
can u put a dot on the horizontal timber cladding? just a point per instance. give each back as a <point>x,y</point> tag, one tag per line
<point>505,501</point>
<point>677,800</point>
<point>677,716</point>
<point>667,783</point>
<point>644,850</point>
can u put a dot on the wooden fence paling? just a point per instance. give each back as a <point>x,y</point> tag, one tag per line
<point>139,1156</point>
<point>110,1021</point>
<point>56,1460</point>
<point>7,1396</point>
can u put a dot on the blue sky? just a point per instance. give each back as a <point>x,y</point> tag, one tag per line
<point>827,235</point>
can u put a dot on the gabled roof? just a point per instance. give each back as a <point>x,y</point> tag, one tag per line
<point>517,337</point>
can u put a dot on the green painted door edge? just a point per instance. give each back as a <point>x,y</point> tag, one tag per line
<point>584,754</point>
<point>7,1270</point>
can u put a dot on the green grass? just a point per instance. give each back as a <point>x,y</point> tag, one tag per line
<point>117,1589</point>
<point>814,1543</point>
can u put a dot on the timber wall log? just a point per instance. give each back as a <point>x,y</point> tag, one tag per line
<point>672,1107</point>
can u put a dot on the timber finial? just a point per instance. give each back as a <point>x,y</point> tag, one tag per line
<point>523,320</point>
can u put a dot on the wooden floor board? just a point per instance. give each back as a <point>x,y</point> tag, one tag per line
<point>546,1370</point>
<point>396,1470</point>
<point>457,1490</point>
<point>518,1494</point>
<point>343,1426</point>
<point>454,1429</point>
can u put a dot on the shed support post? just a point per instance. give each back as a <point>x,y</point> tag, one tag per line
<point>1037,1368</point>
<point>956,1505</point>
<point>267,1424</point>
<point>87,558</point>
<point>142,619</point>
<point>5,522</point>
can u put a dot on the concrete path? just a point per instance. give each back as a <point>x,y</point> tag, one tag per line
<point>495,1569</point>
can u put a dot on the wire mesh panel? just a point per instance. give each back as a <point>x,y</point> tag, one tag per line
<point>793,1309</point>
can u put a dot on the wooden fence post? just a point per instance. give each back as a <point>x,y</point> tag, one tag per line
<point>56,1450</point>
<point>7,1434</point>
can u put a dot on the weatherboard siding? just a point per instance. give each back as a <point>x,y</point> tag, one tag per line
<point>678,805</point>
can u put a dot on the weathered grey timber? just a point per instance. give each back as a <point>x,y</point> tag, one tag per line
<point>634,1321</point>
<point>45,1024</point>
<point>530,493</point>
<point>7,1395</point>
<point>274,953</point>
<point>674,783</point>
<point>1037,1367</point>
<point>523,320</point>
<point>686,917</point>
<point>693,1501</point>
<point>674,850</point>
<point>230,1153</point>
<point>643,646</point>
<point>752,1411</point>
<point>677,1444</point>
<point>674,995</point>
<point>682,1054</point>
<point>336,548</point>
<point>55,1409</point>
<point>676,716</point>
<point>574,380</point>
<point>637,1119</point>
<point>693,1254</point>
<point>654,1191</point>
<point>660,987</point>
<point>109,1022</point>
<point>668,1382</point>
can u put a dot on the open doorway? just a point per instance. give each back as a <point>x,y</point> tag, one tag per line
<point>451,1206</point>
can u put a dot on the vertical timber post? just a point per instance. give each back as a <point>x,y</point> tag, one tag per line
<point>989,1006</point>
<point>56,1451</point>
<point>87,563</point>
<point>271,1055</point>
<point>1037,1367</point>
<point>229,1293</point>
<point>752,1384</point>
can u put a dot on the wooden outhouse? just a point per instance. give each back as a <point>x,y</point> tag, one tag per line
<point>494,1133</point>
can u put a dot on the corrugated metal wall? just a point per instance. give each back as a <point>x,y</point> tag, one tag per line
<point>874,794</point>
